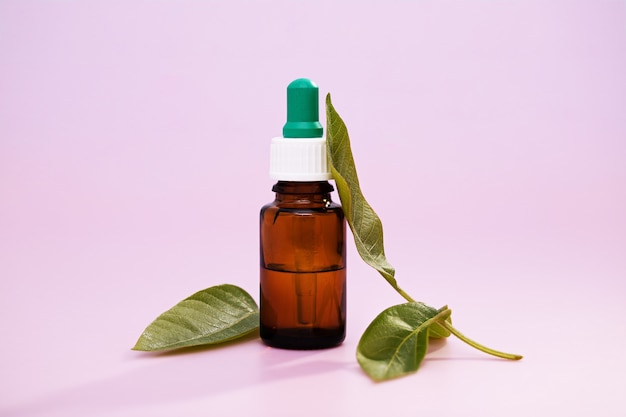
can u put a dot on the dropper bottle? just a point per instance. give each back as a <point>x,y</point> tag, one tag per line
<point>302,235</point>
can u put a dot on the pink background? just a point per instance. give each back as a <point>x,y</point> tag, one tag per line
<point>490,137</point>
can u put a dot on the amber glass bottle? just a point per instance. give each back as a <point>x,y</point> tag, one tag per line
<point>303,267</point>
<point>303,248</point>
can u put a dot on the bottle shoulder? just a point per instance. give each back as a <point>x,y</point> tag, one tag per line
<point>327,206</point>
<point>274,211</point>
<point>303,197</point>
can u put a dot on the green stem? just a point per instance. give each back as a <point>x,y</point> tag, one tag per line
<point>403,294</point>
<point>477,345</point>
<point>391,280</point>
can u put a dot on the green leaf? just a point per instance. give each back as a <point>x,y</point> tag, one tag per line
<point>395,343</point>
<point>439,331</point>
<point>365,224</point>
<point>213,315</point>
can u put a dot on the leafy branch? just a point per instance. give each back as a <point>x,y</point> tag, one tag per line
<point>395,342</point>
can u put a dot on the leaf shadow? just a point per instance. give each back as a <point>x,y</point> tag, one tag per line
<point>151,379</point>
<point>435,345</point>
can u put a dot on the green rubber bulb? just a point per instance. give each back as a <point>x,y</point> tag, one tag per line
<point>302,110</point>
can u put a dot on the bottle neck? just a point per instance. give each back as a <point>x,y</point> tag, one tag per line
<point>304,192</point>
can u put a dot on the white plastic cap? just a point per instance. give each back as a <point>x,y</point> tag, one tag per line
<point>301,159</point>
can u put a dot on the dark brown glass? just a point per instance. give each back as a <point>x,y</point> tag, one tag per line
<point>303,267</point>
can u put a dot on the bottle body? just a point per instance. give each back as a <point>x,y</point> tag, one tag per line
<point>303,267</point>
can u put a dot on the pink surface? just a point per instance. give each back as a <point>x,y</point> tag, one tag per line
<point>490,137</point>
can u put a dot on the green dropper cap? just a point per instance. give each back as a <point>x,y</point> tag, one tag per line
<point>302,110</point>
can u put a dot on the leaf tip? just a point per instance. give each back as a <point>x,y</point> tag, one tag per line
<point>139,346</point>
